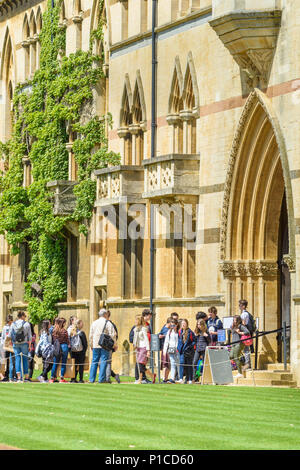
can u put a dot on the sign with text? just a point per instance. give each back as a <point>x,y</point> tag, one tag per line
<point>155,343</point>
<point>221,336</point>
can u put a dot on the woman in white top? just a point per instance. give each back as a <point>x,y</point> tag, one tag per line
<point>142,346</point>
<point>170,348</point>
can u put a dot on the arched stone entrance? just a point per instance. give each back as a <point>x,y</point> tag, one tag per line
<point>257,237</point>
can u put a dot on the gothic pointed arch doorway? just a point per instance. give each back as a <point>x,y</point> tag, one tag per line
<point>257,240</point>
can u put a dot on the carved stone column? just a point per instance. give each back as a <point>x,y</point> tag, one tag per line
<point>187,117</point>
<point>174,121</point>
<point>122,133</point>
<point>134,131</point>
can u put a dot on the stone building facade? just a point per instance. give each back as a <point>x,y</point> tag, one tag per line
<point>227,153</point>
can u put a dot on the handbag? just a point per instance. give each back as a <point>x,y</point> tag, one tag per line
<point>247,340</point>
<point>172,350</point>
<point>105,341</point>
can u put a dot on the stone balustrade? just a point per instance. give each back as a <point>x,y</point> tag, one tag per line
<point>170,175</point>
<point>123,183</point>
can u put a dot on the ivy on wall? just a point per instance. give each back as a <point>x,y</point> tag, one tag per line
<point>45,110</point>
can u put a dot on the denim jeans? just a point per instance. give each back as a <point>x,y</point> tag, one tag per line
<point>10,371</point>
<point>101,356</point>
<point>181,367</point>
<point>18,349</point>
<point>63,357</point>
<point>174,360</point>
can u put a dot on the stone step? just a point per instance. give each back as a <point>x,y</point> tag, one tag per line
<point>276,366</point>
<point>265,382</point>
<point>270,375</point>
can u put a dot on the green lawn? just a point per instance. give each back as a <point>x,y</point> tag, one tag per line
<point>93,416</point>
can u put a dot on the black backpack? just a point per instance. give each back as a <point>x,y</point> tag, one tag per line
<point>19,334</point>
<point>251,325</point>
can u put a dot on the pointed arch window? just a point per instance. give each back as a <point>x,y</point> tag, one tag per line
<point>32,44</point>
<point>189,114</point>
<point>39,26</point>
<point>25,45</point>
<point>183,109</point>
<point>77,20</point>
<point>133,123</point>
<point>7,77</point>
<point>62,16</point>
<point>175,107</point>
<point>125,123</point>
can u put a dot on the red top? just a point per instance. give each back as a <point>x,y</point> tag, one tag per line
<point>148,331</point>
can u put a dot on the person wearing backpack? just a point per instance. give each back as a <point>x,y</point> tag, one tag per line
<point>249,322</point>
<point>237,331</point>
<point>186,349</point>
<point>60,334</point>
<point>79,345</point>
<point>20,334</point>
<point>44,349</point>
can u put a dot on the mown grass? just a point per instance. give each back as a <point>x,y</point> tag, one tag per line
<point>161,417</point>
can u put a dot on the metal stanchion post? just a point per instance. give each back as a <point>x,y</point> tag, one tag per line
<point>284,346</point>
<point>256,349</point>
<point>22,368</point>
<point>158,366</point>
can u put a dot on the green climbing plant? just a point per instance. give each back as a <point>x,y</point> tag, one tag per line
<point>45,110</point>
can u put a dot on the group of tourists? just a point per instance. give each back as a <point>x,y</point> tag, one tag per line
<point>181,347</point>
<point>56,342</point>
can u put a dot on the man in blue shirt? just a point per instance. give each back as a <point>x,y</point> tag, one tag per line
<point>213,325</point>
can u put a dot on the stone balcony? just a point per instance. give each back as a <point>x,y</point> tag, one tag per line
<point>119,184</point>
<point>171,175</point>
<point>64,200</point>
<point>251,37</point>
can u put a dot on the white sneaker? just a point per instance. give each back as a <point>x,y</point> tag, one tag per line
<point>180,381</point>
<point>190,382</point>
<point>238,376</point>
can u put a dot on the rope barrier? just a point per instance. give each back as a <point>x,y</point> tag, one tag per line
<point>109,360</point>
<point>131,353</point>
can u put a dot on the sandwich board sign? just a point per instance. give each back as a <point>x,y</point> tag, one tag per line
<point>217,366</point>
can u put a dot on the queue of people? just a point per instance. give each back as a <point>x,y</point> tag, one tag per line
<point>181,347</point>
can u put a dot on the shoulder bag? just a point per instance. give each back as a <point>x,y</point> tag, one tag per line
<point>105,341</point>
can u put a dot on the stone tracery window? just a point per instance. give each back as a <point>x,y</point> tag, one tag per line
<point>39,25</point>
<point>77,20</point>
<point>8,80</point>
<point>175,106</point>
<point>132,123</point>
<point>25,45</point>
<point>32,44</point>
<point>183,109</point>
<point>123,131</point>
